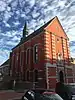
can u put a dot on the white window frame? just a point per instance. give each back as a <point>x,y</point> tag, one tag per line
<point>35,55</point>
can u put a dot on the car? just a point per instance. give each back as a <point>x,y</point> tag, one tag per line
<point>71,87</point>
<point>63,90</point>
<point>41,95</point>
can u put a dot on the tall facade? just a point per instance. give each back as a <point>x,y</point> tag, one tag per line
<point>43,57</point>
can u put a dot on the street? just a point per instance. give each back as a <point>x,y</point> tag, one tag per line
<point>9,95</point>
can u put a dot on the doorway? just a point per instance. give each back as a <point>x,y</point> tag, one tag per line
<point>61,77</point>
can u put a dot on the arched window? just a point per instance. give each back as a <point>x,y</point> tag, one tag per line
<point>27,56</point>
<point>21,56</point>
<point>36,54</point>
<point>36,75</point>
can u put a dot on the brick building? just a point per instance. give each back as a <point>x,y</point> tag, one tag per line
<point>42,58</point>
<point>4,68</point>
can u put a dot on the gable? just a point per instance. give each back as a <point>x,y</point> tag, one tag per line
<point>38,31</point>
<point>53,26</point>
<point>56,28</point>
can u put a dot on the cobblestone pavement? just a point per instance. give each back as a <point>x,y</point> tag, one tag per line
<point>10,95</point>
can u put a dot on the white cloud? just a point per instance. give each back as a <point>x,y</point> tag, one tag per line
<point>30,10</point>
<point>1,41</point>
<point>31,23</point>
<point>17,12</point>
<point>6,24</point>
<point>9,1</point>
<point>13,32</point>
<point>11,43</point>
<point>7,34</point>
<point>48,8</point>
<point>27,10</point>
<point>15,38</point>
<point>14,4</point>
<point>35,14</point>
<point>2,6</point>
<point>72,51</point>
<point>16,23</point>
<point>7,15</point>
<point>8,8</point>
<point>23,15</point>
<point>61,3</point>
<point>43,3</point>
<point>71,34</point>
<point>22,3</point>
<point>31,2</point>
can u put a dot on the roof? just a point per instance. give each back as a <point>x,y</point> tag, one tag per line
<point>5,63</point>
<point>38,31</point>
<point>24,39</point>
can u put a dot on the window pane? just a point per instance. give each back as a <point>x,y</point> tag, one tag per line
<point>36,75</point>
<point>27,56</point>
<point>36,53</point>
<point>36,49</point>
<point>20,58</point>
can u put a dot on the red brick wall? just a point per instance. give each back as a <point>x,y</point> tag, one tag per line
<point>52,83</point>
<point>38,40</point>
<point>52,77</point>
<point>58,33</point>
<point>51,71</point>
<point>49,44</point>
<point>70,80</point>
<point>69,75</point>
<point>69,72</point>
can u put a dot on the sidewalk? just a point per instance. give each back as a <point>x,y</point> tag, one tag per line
<point>6,91</point>
<point>17,98</point>
<point>10,95</point>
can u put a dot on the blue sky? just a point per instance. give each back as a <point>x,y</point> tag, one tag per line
<point>13,14</point>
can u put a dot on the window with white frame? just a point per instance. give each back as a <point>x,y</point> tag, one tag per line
<point>36,53</point>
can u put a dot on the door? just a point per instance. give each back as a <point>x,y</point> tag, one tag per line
<point>61,77</point>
